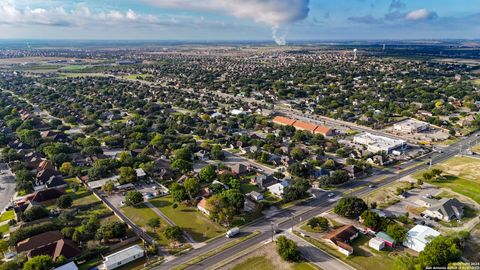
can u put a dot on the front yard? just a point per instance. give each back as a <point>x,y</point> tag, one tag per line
<point>189,219</point>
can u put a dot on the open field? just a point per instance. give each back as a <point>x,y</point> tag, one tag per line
<point>462,176</point>
<point>477,81</point>
<point>189,219</point>
<point>266,258</point>
<point>140,214</point>
<point>385,196</point>
<point>7,215</point>
<point>363,258</point>
<point>78,75</point>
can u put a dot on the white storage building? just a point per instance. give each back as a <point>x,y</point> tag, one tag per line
<point>122,257</point>
<point>419,236</point>
<point>376,243</point>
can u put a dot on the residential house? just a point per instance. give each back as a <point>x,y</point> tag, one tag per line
<point>342,238</point>
<point>263,181</point>
<point>202,206</point>
<point>122,257</point>
<point>49,243</point>
<point>446,209</point>
<point>238,168</point>
<point>278,188</point>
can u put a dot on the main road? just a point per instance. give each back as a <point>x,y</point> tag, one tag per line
<point>305,210</point>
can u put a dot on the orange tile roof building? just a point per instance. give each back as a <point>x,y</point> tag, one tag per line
<point>301,125</point>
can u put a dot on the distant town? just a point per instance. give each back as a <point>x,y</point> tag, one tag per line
<point>240,156</point>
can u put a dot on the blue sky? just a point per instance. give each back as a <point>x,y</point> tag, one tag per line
<point>239,19</point>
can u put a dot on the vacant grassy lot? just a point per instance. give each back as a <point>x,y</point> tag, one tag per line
<point>477,82</point>
<point>140,214</point>
<point>462,175</point>
<point>386,196</point>
<point>363,257</point>
<point>189,219</point>
<point>267,258</point>
<point>73,68</point>
<point>7,215</point>
<point>4,228</point>
<point>247,188</point>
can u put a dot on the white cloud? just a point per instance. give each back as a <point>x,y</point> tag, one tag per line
<point>420,15</point>
<point>273,13</point>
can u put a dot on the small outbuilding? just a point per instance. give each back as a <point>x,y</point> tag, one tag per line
<point>376,243</point>
<point>387,239</point>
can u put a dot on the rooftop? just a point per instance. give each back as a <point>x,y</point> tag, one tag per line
<point>422,233</point>
<point>116,257</point>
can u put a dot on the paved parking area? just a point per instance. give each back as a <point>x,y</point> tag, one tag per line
<point>7,186</point>
<point>400,208</point>
<point>116,198</point>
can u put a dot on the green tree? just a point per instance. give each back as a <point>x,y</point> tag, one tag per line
<point>111,230</point>
<point>371,219</point>
<point>109,186</point>
<point>35,212</point>
<point>173,232</point>
<point>441,251</point>
<point>318,223</point>
<point>182,165</point>
<point>287,249</point>
<point>397,232</point>
<point>64,201</point>
<point>350,207</point>
<point>217,153</point>
<point>154,223</point>
<point>127,175</point>
<point>192,186</point>
<point>133,197</point>
<point>42,262</point>
<point>404,262</point>
<point>297,153</point>
<point>183,153</point>
<point>178,192</point>
<point>208,173</point>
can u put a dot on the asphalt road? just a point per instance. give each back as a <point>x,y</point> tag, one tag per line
<point>303,211</point>
<point>7,186</point>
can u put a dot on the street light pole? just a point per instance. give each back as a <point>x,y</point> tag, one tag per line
<point>273,232</point>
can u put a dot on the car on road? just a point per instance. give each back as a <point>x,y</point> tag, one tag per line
<point>371,186</point>
<point>330,195</point>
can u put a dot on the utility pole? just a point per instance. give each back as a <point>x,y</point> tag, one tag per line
<point>273,231</point>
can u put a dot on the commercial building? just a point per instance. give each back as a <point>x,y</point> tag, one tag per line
<point>375,143</point>
<point>411,126</point>
<point>301,125</point>
<point>122,257</point>
<point>419,236</point>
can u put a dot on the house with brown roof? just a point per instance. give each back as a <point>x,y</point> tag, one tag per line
<point>49,243</point>
<point>42,195</point>
<point>325,131</point>
<point>342,238</point>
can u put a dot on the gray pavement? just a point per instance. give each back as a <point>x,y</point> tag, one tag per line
<point>7,186</point>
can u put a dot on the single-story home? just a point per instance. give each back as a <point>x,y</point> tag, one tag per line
<point>342,237</point>
<point>419,236</point>
<point>202,206</point>
<point>278,188</point>
<point>122,257</point>
<point>446,209</point>
<point>257,196</point>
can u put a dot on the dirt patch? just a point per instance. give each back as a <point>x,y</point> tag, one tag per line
<point>269,252</point>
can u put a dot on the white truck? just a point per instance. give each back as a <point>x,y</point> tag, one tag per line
<point>232,232</point>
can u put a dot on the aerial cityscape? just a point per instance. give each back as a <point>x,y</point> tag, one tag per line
<point>253,134</point>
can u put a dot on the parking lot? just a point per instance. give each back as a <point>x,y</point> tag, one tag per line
<point>401,207</point>
<point>117,197</point>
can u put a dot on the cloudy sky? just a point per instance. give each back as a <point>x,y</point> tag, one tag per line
<point>239,19</point>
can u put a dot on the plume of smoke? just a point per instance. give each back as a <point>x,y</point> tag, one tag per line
<point>280,39</point>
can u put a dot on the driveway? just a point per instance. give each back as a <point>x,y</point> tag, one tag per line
<point>7,186</point>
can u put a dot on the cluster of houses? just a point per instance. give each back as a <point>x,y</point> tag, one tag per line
<point>416,239</point>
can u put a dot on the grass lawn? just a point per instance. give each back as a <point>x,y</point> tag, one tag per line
<point>4,228</point>
<point>7,215</point>
<point>360,259</point>
<point>73,67</point>
<point>385,196</point>
<point>247,188</point>
<point>258,263</point>
<point>189,219</point>
<point>140,214</point>
<point>476,148</point>
<point>477,81</point>
<point>134,76</point>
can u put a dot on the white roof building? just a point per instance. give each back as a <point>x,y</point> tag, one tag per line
<point>122,257</point>
<point>278,188</point>
<point>419,236</point>
<point>376,243</point>
<point>375,143</point>
<point>68,266</point>
<point>410,126</point>
<point>100,183</point>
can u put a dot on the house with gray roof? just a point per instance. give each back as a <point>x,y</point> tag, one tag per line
<point>445,209</point>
